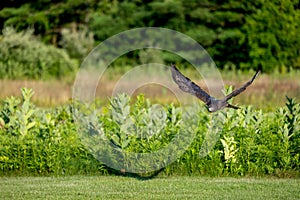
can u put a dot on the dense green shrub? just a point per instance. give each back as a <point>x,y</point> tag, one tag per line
<point>24,56</point>
<point>229,142</point>
<point>78,43</point>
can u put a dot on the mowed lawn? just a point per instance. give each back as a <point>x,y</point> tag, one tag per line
<point>113,187</point>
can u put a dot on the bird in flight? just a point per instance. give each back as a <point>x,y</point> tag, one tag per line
<point>213,105</point>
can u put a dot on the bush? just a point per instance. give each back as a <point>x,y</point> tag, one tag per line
<point>24,56</point>
<point>78,43</point>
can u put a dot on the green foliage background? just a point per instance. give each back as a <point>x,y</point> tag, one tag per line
<point>237,34</point>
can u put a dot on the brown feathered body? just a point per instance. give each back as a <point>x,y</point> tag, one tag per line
<point>213,105</point>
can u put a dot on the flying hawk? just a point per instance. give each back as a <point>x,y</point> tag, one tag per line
<point>213,105</point>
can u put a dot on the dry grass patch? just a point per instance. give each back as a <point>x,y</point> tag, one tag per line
<point>267,92</point>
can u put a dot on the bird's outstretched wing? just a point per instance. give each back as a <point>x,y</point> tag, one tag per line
<point>241,89</point>
<point>186,85</point>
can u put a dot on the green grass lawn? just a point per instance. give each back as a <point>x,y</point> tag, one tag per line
<point>111,187</point>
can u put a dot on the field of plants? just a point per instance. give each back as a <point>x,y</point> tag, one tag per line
<point>245,142</point>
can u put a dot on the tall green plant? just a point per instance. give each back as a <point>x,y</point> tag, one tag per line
<point>38,141</point>
<point>290,132</point>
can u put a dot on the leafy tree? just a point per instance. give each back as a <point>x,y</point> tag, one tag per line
<point>45,17</point>
<point>236,33</point>
<point>273,36</point>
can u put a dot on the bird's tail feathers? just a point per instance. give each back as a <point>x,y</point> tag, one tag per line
<point>232,106</point>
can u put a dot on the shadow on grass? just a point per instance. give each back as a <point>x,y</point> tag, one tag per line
<point>138,176</point>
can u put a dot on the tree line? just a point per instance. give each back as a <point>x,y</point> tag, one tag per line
<point>238,34</point>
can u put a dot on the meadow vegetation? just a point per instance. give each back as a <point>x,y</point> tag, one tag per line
<point>268,92</point>
<point>249,142</point>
